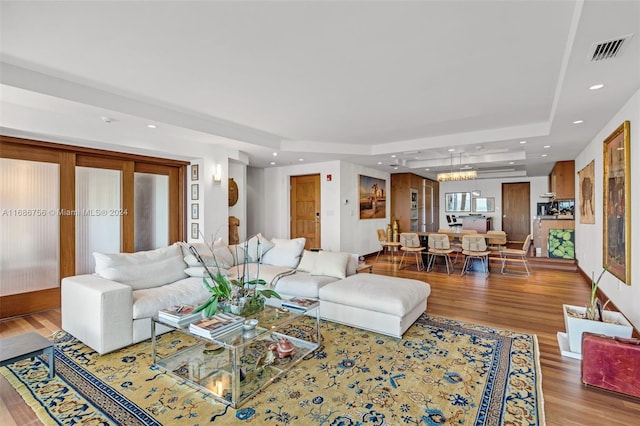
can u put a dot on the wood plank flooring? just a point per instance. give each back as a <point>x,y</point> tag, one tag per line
<point>528,304</point>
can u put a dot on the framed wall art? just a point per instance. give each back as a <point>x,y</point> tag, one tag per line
<point>616,235</point>
<point>195,191</point>
<point>483,204</point>
<point>195,231</point>
<point>373,197</point>
<point>586,178</point>
<point>195,211</point>
<point>457,202</point>
<point>195,175</point>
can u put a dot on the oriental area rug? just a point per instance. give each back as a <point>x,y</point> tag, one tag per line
<point>441,372</point>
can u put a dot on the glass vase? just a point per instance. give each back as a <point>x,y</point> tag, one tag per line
<point>252,305</point>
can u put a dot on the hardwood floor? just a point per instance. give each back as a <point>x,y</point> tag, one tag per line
<point>528,304</point>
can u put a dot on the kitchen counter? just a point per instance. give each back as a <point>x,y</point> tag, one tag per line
<point>557,217</point>
<point>541,231</point>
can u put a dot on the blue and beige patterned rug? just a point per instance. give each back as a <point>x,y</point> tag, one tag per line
<point>442,372</point>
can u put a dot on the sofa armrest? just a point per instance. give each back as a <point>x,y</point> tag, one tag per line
<point>98,312</point>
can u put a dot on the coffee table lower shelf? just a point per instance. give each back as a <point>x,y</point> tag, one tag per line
<point>213,372</point>
<point>233,373</point>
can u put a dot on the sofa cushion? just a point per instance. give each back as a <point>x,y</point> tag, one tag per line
<point>379,293</point>
<point>352,265</point>
<point>143,269</point>
<point>218,254</point>
<point>147,302</point>
<point>268,273</point>
<point>302,284</point>
<point>308,261</point>
<point>332,264</point>
<point>285,252</point>
<point>198,271</point>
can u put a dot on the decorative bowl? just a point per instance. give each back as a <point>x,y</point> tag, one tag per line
<point>249,324</point>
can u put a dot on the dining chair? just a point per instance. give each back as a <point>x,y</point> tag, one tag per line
<point>439,246</point>
<point>456,242</point>
<point>515,254</point>
<point>410,243</point>
<point>496,240</point>
<point>475,247</point>
<point>382,239</point>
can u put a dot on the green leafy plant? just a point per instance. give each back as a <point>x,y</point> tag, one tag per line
<point>594,309</point>
<point>227,290</point>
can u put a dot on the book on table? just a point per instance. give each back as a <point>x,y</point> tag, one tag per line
<point>218,324</point>
<point>300,303</point>
<point>179,315</point>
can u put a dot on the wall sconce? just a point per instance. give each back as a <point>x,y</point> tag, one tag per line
<point>217,175</point>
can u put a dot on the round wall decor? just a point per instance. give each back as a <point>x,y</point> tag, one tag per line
<point>233,192</point>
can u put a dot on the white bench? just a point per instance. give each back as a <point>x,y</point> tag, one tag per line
<point>386,305</point>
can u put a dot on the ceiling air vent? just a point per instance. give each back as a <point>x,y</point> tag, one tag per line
<point>608,49</point>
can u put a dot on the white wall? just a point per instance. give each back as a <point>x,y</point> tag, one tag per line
<point>255,200</point>
<point>589,247</point>
<point>493,188</point>
<point>342,229</point>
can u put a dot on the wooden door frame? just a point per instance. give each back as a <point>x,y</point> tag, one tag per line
<point>68,157</point>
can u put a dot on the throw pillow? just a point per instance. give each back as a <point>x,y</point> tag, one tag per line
<point>308,261</point>
<point>256,247</point>
<point>144,269</point>
<point>285,252</point>
<point>331,264</point>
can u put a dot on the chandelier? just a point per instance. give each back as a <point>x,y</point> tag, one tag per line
<point>459,175</point>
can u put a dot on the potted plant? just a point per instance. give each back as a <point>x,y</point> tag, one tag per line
<point>240,295</point>
<point>592,318</point>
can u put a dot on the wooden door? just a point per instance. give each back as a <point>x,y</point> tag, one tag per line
<point>305,209</point>
<point>516,214</point>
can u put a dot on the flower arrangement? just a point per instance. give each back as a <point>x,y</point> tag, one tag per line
<point>239,294</point>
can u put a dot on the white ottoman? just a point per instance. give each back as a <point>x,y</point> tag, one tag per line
<point>386,305</point>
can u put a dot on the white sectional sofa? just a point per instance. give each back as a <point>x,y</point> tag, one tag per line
<point>112,308</point>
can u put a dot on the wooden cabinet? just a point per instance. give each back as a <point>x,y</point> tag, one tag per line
<point>414,202</point>
<point>541,233</point>
<point>562,180</point>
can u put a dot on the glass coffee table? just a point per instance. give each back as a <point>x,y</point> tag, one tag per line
<point>233,367</point>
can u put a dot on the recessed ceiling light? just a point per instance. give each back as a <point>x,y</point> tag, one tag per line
<point>578,122</point>
<point>273,163</point>
<point>547,146</point>
<point>543,155</point>
<point>379,162</point>
<point>152,126</point>
<point>523,142</point>
<point>275,154</point>
<point>393,156</point>
<point>426,170</point>
<point>106,119</point>
<point>596,87</point>
<point>511,162</point>
<point>395,168</point>
<point>300,159</point>
<point>451,150</point>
